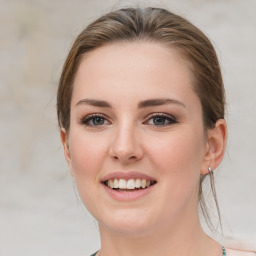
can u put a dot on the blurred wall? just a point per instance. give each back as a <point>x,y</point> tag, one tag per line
<point>40,213</point>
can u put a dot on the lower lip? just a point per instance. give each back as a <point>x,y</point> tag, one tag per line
<point>128,195</point>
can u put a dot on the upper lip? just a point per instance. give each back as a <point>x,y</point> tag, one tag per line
<point>126,176</point>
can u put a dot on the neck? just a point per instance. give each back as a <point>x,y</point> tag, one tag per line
<point>183,239</point>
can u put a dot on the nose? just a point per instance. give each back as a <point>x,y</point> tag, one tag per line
<point>126,145</point>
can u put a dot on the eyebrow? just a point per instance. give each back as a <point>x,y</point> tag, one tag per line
<point>142,104</point>
<point>96,103</point>
<point>159,102</point>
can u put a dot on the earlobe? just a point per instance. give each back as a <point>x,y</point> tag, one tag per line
<point>64,141</point>
<point>216,144</point>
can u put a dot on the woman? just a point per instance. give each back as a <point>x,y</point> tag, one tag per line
<point>141,111</point>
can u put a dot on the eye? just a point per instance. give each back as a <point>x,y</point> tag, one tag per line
<point>161,119</point>
<point>94,120</point>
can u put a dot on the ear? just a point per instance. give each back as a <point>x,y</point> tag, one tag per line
<point>64,141</point>
<point>215,148</point>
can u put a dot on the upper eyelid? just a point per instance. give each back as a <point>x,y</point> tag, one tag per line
<point>151,114</point>
<point>93,115</point>
<point>161,114</point>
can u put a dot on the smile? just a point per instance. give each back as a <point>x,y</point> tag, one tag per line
<point>127,186</point>
<point>123,185</point>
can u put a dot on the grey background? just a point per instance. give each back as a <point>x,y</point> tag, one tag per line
<point>40,213</point>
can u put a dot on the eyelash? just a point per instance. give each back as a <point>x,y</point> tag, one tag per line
<point>85,120</point>
<point>92,117</point>
<point>171,120</point>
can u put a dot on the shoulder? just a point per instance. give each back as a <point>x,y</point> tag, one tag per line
<point>235,252</point>
<point>240,244</point>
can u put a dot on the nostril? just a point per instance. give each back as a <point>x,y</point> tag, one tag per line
<point>116,157</point>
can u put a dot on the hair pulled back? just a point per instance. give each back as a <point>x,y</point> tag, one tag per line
<point>154,25</point>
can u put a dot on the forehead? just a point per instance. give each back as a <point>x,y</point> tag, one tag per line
<point>145,67</point>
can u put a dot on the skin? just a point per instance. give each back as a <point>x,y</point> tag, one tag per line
<point>128,139</point>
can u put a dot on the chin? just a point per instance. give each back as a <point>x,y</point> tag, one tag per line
<point>131,223</point>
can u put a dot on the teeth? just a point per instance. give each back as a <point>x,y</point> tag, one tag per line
<point>129,184</point>
<point>138,183</point>
<point>116,183</point>
<point>111,183</point>
<point>144,183</point>
<point>122,184</point>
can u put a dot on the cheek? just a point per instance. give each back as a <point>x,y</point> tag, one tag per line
<point>178,158</point>
<point>178,150</point>
<point>87,156</point>
<point>86,152</point>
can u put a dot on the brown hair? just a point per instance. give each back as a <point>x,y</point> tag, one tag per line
<point>160,26</point>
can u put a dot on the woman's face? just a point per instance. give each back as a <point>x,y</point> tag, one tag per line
<point>136,122</point>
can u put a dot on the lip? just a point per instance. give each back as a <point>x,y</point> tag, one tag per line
<point>128,195</point>
<point>126,176</point>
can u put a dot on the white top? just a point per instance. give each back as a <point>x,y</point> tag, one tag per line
<point>235,252</point>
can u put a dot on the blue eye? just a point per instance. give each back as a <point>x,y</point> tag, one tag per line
<point>94,120</point>
<point>97,121</point>
<point>161,120</point>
